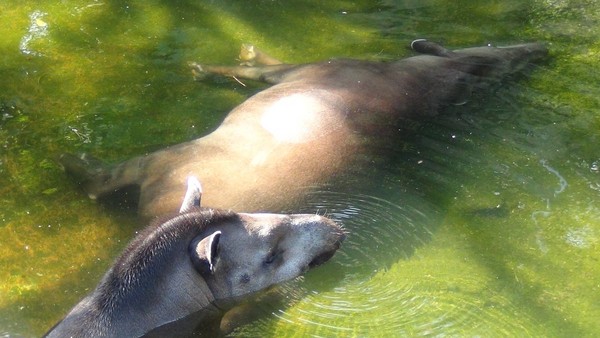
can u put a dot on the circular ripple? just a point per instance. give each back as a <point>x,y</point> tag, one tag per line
<point>378,285</point>
<point>386,307</point>
<point>379,231</point>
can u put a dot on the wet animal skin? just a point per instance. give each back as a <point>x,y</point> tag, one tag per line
<point>308,127</point>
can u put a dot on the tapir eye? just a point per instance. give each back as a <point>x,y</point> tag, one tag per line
<point>245,279</point>
<point>273,256</point>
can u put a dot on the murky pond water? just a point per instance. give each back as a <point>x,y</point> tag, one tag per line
<point>484,222</point>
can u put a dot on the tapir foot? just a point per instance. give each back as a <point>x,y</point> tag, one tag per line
<point>252,56</point>
<point>85,169</point>
<point>198,71</point>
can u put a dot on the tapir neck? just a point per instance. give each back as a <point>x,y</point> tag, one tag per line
<point>163,299</point>
<point>152,284</point>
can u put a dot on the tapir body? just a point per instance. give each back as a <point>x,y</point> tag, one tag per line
<point>306,128</point>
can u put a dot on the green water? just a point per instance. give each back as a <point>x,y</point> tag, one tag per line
<point>498,228</point>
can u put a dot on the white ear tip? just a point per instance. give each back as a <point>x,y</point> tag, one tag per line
<point>193,195</point>
<point>193,182</point>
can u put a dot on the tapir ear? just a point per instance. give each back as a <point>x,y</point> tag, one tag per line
<point>193,195</point>
<point>205,253</point>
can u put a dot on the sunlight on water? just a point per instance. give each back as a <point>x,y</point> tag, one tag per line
<point>37,29</point>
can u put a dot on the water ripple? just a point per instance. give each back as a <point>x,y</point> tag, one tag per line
<point>402,308</point>
<point>380,230</point>
<point>370,288</point>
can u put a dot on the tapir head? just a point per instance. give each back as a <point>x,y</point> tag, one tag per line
<point>276,248</point>
<point>195,260</point>
<point>252,252</point>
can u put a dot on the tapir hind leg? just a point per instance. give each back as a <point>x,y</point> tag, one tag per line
<point>269,69</point>
<point>269,74</point>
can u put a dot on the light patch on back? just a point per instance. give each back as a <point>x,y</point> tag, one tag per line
<point>294,119</point>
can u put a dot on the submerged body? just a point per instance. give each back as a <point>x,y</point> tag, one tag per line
<point>306,128</point>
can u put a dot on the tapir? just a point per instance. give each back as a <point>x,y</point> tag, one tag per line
<point>197,264</point>
<point>305,129</point>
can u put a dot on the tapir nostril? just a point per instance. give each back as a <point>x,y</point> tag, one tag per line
<point>320,259</point>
